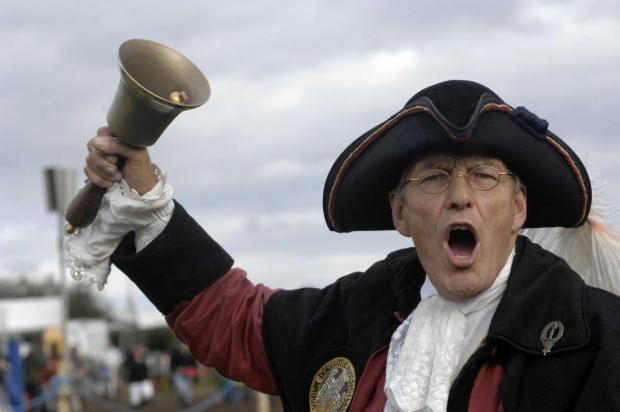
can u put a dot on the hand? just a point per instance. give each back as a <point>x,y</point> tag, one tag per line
<point>101,163</point>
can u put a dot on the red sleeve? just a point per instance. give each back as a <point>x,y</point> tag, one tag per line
<point>222,326</point>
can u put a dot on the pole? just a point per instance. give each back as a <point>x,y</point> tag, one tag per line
<point>63,393</point>
<point>60,188</point>
<point>63,288</point>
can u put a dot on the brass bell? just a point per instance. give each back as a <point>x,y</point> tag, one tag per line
<point>157,83</point>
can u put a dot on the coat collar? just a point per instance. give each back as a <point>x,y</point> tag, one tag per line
<point>542,289</point>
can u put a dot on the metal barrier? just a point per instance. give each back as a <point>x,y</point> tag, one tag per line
<point>215,397</point>
<point>49,394</point>
<point>54,389</point>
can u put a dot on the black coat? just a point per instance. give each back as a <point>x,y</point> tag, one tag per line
<point>354,317</point>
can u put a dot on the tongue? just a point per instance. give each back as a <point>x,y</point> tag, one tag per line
<point>462,242</point>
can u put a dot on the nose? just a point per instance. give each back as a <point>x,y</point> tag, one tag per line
<point>459,192</point>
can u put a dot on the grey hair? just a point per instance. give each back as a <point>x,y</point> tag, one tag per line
<point>518,183</point>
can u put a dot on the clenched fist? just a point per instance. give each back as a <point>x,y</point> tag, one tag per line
<point>102,168</point>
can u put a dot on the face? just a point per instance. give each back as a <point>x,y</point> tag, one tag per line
<point>463,237</point>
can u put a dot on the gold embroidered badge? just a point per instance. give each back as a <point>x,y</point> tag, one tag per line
<point>332,387</point>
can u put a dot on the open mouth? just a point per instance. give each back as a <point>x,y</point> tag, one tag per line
<point>461,244</point>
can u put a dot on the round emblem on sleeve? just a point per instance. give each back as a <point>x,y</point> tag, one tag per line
<point>332,387</point>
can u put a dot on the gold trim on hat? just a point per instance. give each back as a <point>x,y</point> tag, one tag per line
<point>416,109</point>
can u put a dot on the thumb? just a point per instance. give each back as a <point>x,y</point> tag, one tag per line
<point>104,131</point>
<point>113,146</point>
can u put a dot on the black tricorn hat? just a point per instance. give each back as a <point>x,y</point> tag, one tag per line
<point>460,118</point>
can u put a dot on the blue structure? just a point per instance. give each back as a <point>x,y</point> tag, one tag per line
<point>14,381</point>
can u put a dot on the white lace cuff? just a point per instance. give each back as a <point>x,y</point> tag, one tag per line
<point>122,210</point>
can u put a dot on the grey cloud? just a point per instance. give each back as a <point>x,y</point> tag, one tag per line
<point>59,75</point>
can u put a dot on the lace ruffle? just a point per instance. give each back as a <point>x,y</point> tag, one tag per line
<point>429,348</point>
<point>122,210</point>
<point>423,355</point>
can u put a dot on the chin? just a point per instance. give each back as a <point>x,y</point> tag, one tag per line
<point>464,285</point>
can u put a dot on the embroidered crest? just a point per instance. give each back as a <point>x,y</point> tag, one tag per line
<point>550,334</point>
<point>332,387</point>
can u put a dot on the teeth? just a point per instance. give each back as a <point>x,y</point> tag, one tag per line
<point>460,228</point>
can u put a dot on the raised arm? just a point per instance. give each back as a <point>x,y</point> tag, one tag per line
<point>212,308</point>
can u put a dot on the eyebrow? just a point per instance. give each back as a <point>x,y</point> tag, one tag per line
<point>435,164</point>
<point>449,163</point>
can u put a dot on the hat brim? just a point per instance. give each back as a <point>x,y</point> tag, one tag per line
<point>358,185</point>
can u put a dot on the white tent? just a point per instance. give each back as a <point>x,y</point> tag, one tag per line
<point>89,336</point>
<point>30,314</point>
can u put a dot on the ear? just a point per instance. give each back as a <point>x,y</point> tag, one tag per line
<point>520,210</point>
<point>397,204</point>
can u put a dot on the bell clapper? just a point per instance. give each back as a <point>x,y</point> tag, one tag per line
<point>179,96</point>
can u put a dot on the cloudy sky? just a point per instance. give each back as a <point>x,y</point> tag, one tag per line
<point>292,83</point>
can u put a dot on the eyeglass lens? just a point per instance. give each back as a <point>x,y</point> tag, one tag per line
<point>479,178</point>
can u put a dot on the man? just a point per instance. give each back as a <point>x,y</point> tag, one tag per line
<point>510,327</point>
<point>183,372</point>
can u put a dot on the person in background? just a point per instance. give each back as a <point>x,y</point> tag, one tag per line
<point>111,362</point>
<point>49,376</point>
<point>184,371</point>
<point>34,365</point>
<point>139,385</point>
<point>5,368</point>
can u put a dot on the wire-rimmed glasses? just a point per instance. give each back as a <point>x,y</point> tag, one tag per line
<point>481,178</point>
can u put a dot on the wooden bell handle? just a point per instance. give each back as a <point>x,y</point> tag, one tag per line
<point>84,207</point>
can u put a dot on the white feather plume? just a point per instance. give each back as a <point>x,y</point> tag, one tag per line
<point>592,250</point>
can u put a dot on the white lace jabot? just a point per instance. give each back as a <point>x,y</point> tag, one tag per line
<point>430,347</point>
<point>122,211</point>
